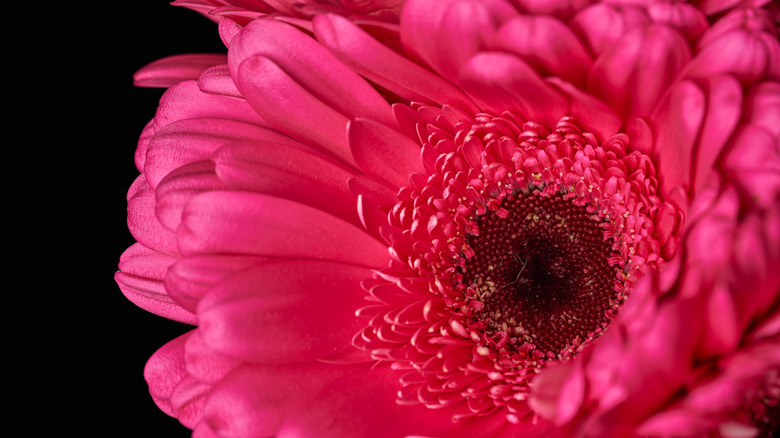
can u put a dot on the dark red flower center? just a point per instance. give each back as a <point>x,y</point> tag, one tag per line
<point>542,273</point>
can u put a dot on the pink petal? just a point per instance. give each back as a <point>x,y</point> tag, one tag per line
<point>176,189</point>
<point>311,67</point>
<point>141,280</point>
<point>142,221</point>
<point>502,82</point>
<point>381,65</point>
<point>188,280</point>
<point>601,25</point>
<point>205,364</point>
<point>592,114</point>
<point>721,333</point>
<point>748,56</point>
<point>445,34</point>
<point>562,9</point>
<point>257,224</point>
<point>284,311</point>
<point>362,404</point>
<point>186,101</point>
<point>686,18</point>
<point>724,105</point>
<point>217,80</point>
<point>677,422</point>
<point>377,192</point>
<point>291,108</point>
<point>169,71</point>
<point>676,123</point>
<point>633,75</point>
<point>165,370</point>
<point>187,401</point>
<point>254,399</point>
<point>192,140</point>
<point>292,171</point>
<point>753,160</point>
<point>383,152</point>
<point>762,106</point>
<point>547,45</point>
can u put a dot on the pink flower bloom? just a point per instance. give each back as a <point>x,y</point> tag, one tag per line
<point>526,219</point>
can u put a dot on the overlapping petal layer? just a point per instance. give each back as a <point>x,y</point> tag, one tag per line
<point>315,205</point>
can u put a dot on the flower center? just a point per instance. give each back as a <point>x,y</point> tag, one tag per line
<point>542,274</point>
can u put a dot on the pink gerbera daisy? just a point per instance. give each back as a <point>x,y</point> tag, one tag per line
<point>466,218</point>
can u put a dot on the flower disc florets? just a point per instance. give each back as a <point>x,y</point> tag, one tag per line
<point>517,249</point>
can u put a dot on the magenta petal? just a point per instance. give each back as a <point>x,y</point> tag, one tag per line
<point>724,104</point>
<point>601,25</point>
<point>217,80</point>
<point>747,55</point>
<point>311,67</point>
<point>165,370</point>
<point>445,34</point>
<point>142,220</point>
<point>205,364</point>
<point>763,106</point>
<point>288,170</point>
<point>383,152</point>
<point>633,75</point>
<point>753,160</point>
<point>503,82</point>
<point>253,400</point>
<point>284,311</point>
<point>192,140</point>
<point>188,280</point>
<point>362,405</point>
<point>186,101</point>
<point>257,224</point>
<point>677,122</point>
<point>591,113</point>
<point>141,280</point>
<point>169,71</point>
<point>547,45</point>
<point>291,108</point>
<point>187,401</point>
<point>383,66</point>
<point>176,189</point>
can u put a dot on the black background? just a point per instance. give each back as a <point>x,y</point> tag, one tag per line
<point>91,358</point>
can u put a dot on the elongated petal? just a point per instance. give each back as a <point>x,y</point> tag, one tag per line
<point>297,173</point>
<point>503,82</point>
<point>445,34</point>
<point>601,25</point>
<point>254,399</point>
<point>142,220</point>
<point>677,122</point>
<point>257,224</point>
<point>312,67</point>
<point>203,363</point>
<point>176,189</point>
<point>633,75</point>
<point>140,278</point>
<point>383,66</point>
<point>362,404</point>
<point>291,108</point>
<point>187,101</point>
<point>547,45</point>
<point>165,370</point>
<point>724,103</point>
<point>259,314</point>
<point>169,71</point>
<point>191,140</point>
<point>383,152</point>
<point>188,279</point>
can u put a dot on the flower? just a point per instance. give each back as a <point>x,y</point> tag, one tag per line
<point>527,219</point>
